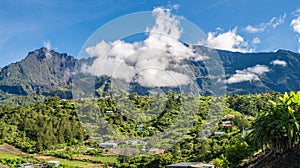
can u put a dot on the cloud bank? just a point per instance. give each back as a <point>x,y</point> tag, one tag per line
<point>154,62</point>
<point>248,74</point>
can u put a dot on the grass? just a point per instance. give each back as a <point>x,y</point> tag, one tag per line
<point>8,156</point>
<point>72,163</point>
<point>108,159</point>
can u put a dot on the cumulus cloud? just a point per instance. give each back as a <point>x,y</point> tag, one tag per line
<point>278,62</point>
<point>295,23</point>
<point>150,62</point>
<point>230,41</point>
<point>248,74</point>
<point>273,23</point>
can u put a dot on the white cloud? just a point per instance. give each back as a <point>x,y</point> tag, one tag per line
<point>230,41</point>
<point>248,74</point>
<point>176,6</point>
<point>274,22</point>
<point>295,23</point>
<point>278,62</point>
<point>47,45</point>
<point>256,40</point>
<point>150,62</point>
<point>251,29</point>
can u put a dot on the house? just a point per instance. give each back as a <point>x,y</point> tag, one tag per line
<point>191,164</point>
<point>26,165</point>
<point>229,116</point>
<point>138,142</point>
<point>157,151</point>
<point>227,124</point>
<point>150,128</point>
<point>53,162</point>
<point>123,142</point>
<point>140,125</point>
<point>218,133</point>
<point>108,145</point>
<point>109,113</point>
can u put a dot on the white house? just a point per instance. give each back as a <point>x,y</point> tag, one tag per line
<point>108,145</point>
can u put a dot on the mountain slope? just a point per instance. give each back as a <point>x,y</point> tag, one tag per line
<point>40,71</point>
<point>44,71</point>
<point>280,77</point>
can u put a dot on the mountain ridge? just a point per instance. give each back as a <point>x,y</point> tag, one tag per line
<point>42,70</point>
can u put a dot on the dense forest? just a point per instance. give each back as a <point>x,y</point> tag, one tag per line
<point>225,131</point>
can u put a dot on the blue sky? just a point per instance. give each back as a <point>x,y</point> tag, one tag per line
<point>263,25</point>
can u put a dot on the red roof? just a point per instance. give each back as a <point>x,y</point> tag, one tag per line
<point>227,125</point>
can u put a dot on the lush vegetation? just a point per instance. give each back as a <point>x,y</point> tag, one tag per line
<point>278,127</point>
<point>223,130</point>
<point>41,126</point>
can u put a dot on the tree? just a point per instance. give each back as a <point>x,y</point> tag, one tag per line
<point>237,151</point>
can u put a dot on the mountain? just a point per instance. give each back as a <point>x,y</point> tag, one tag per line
<point>281,71</point>
<point>42,70</point>
<point>48,72</point>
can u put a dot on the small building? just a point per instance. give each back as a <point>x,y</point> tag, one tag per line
<point>227,124</point>
<point>53,162</point>
<point>106,145</point>
<point>150,128</point>
<point>123,142</point>
<point>26,165</point>
<point>109,113</point>
<point>229,116</point>
<point>218,133</point>
<point>138,142</point>
<point>140,125</point>
<point>156,151</point>
<point>191,164</point>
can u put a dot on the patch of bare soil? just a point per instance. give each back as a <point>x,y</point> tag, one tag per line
<point>6,148</point>
<point>84,157</point>
<point>93,165</point>
<point>3,166</point>
<point>44,158</point>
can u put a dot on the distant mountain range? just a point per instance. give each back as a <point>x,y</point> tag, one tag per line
<point>49,73</point>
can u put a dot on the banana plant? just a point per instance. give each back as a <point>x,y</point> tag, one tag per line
<point>278,128</point>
